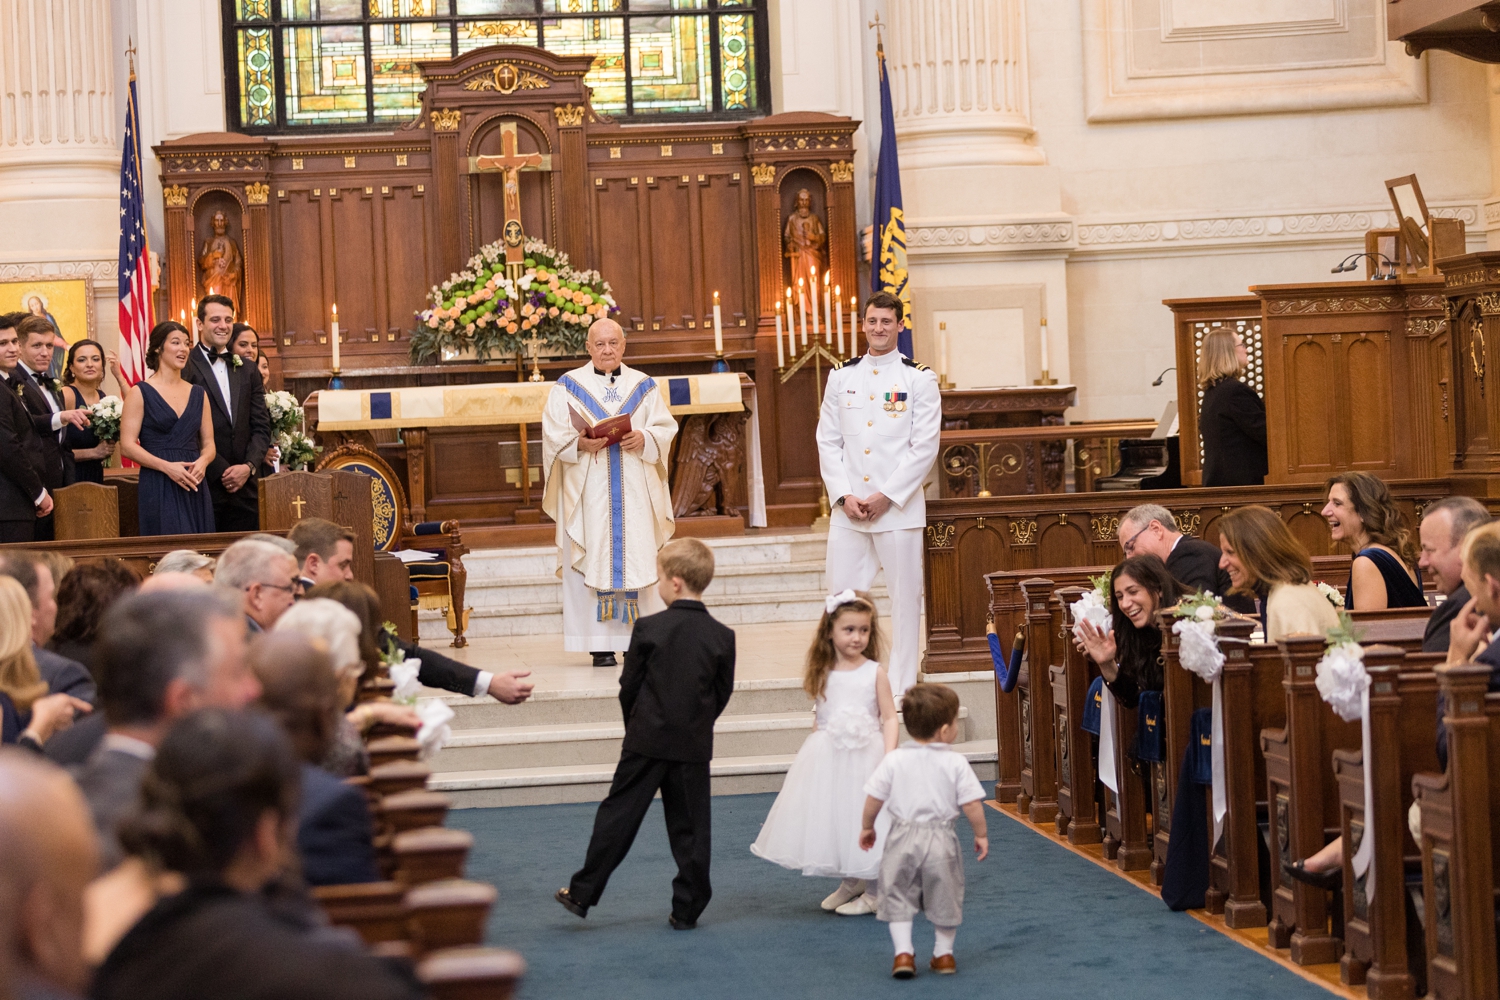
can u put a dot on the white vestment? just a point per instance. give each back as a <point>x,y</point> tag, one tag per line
<point>613,508</point>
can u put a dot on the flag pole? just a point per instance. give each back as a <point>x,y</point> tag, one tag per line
<point>140,180</point>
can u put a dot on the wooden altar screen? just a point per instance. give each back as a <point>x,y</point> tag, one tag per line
<point>667,213</point>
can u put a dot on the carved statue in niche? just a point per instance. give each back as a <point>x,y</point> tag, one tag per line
<point>708,477</point>
<point>804,239</point>
<point>221,266</point>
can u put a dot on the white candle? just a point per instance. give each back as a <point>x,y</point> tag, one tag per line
<point>854,326</point>
<point>827,312</point>
<point>1045,366</point>
<point>943,350</point>
<point>838,315</point>
<point>812,293</point>
<point>780,348</point>
<point>802,309</point>
<point>791,326</point>
<point>718,328</point>
<point>195,322</point>
<point>334,337</point>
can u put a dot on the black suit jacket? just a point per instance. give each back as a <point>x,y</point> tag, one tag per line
<point>439,671</point>
<point>1196,563</point>
<point>1490,657</point>
<point>23,460</point>
<point>57,464</point>
<point>65,675</point>
<point>678,676</point>
<point>334,834</point>
<point>111,784</point>
<point>244,440</point>
<point>1232,423</point>
<point>1435,639</point>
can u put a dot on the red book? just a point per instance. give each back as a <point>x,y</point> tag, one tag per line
<point>611,429</point>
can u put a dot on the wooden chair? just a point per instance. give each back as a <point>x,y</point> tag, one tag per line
<point>438,584</point>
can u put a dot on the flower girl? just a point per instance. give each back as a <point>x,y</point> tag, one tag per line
<point>814,823</point>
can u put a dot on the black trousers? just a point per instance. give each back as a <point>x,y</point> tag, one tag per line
<point>45,530</point>
<point>12,532</point>
<point>238,511</point>
<point>685,799</point>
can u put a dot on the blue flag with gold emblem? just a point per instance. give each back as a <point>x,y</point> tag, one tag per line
<point>888,270</point>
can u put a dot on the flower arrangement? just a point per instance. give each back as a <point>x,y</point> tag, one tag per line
<point>1197,620</point>
<point>481,308</point>
<point>1342,679</point>
<point>104,418</point>
<point>297,450</point>
<point>286,413</point>
<point>1331,593</point>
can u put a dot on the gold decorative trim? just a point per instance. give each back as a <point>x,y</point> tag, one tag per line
<point>1106,527</point>
<point>447,120</point>
<point>176,195</point>
<point>1362,303</point>
<point>349,162</point>
<point>1188,523</point>
<point>401,159</point>
<point>764,174</point>
<point>842,172</point>
<point>1488,303</point>
<point>940,535</point>
<point>666,149</point>
<point>1023,532</point>
<point>506,79</point>
<point>257,193</point>
<point>568,115</point>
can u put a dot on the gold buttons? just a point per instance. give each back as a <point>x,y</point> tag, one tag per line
<point>867,479</point>
<point>869,423</point>
<point>872,395</point>
<point>867,451</point>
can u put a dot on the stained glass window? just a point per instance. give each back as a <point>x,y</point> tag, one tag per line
<point>329,65</point>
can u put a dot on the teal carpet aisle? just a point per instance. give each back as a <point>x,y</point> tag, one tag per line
<point>1038,922</point>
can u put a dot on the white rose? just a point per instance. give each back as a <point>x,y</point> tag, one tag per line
<point>1204,614</point>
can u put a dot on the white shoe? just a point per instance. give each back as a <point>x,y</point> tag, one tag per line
<point>863,906</point>
<point>840,896</point>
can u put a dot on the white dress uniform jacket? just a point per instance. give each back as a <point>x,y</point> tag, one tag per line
<point>878,433</point>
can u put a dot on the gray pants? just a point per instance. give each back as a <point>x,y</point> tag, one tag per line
<point>922,870</point>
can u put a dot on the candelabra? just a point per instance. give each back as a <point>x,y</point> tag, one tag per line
<point>817,354</point>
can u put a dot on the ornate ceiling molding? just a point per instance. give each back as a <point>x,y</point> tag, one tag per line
<point>60,269</point>
<point>1048,235</point>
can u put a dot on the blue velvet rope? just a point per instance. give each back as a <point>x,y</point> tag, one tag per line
<point>1004,677</point>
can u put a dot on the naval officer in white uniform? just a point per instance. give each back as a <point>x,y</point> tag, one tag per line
<point>877,441</point>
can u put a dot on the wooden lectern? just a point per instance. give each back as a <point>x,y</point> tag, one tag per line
<point>338,496</point>
<point>86,510</point>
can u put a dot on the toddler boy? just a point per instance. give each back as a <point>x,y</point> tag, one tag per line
<point>924,784</point>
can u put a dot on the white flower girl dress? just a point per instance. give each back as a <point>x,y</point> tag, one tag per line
<point>813,825</point>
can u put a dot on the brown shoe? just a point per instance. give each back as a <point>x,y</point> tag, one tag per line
<point>943,965</point>
<point>904,967</point>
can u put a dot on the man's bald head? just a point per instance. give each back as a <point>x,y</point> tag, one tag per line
<point>158,582</point>
<point>606,344</point>
<point>51,854</point>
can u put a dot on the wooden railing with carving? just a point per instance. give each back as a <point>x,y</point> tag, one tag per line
<point>1007,461</point>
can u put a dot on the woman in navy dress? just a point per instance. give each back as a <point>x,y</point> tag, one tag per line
<point>168,430</point>
<point>83,386</point>
<point>1362,513</point>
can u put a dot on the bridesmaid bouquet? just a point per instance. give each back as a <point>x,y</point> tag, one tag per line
<point>104,418</point>
<point>297,450</point>
<point>286,413</point>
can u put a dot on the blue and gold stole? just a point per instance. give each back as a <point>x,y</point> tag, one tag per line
<point>628,607</point>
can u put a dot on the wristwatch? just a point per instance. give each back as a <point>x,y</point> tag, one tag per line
<point>839,502</point>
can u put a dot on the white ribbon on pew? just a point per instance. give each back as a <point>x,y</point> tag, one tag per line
<point>1109,769</point>
<point>404,676</point>
<point>1198,651</point>
<point>435,715</point>
<point>1344,683</point>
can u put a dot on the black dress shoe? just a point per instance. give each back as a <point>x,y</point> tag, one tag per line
<point>1332,880</point>
<point>569,904</point>
<point>682,925</point>
<point>605,660</point>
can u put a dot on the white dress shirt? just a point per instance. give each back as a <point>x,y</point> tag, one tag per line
<point>57,420</point>
<point>924,783</point>
<point>220,368</point>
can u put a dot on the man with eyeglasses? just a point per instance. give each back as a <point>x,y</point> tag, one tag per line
<point>1150,530</point>
<point>267,576</point>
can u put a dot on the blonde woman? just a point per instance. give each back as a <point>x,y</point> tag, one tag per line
<point>29,715</point>
<point>1232,420</point>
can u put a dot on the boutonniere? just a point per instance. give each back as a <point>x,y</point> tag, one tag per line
<point>20,390</point>
<point>236,360</point>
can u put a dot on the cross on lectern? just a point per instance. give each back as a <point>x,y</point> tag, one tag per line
<point>509,164</point>
<point>298,503</point>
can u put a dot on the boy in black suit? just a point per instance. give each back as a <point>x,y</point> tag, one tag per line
<point>677,678</point>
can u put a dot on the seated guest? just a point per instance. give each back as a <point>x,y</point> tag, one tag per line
<point>159,656</point>
<point>322,548</point>
<point>1264,559</point>
<point>160,583</point>
<point>1444,527</point>
<point>1129,656</point>
<point>301,690</point>
<point>1150,530</point>
<point>50,857</point>
<point>29,715</point>
<point>84,596</point>
<point>219,806</point>
<point>266,574</point>
<point>61,674</point>
<point>336,630</point>
<point>83,382</point>
<point>1362,513</point>
<point>1232,419</point>
<point>187,561</point>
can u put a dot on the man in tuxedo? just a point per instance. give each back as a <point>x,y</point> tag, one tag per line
<point>43,399</point>
<point>242,426</point>
<point>23,495</point>
<point>1444,526</point>
<point>325,553</point>
<point>1150,530</point>
<point>160,656</point>
<point>62,675</point>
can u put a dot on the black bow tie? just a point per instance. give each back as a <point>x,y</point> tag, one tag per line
<point>214,354</point>
<point>613,374</point>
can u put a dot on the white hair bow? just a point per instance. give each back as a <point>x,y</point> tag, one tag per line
<point>833,602</point>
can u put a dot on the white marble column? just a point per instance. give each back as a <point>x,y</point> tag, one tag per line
<point>59,141</point>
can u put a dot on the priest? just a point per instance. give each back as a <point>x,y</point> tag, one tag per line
<point>610,501</point>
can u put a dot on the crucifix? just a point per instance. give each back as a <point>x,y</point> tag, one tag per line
<point>509,165</point>
<point>535,343</point>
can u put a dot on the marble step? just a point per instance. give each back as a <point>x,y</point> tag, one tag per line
<point>599,743</point>
<point>565,783</point>
<point>745,550</point>
<point>601,704</point>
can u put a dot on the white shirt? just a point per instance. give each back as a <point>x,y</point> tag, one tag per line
<point>924,783</point>
<point>120,743</point>
<point>57,420</point>
<point>220,369</point>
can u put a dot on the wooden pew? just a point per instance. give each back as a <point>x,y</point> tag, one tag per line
<point>471,973</point>
<point>1460,814</point>
<point>1077,807</point>
<point>1126,841</point>
<point>1403,737</point>
<point>1038,796</point>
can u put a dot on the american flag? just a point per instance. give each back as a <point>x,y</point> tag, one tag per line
<point>136,314</point>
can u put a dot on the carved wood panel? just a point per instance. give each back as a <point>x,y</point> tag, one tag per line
<point>300,272</point>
